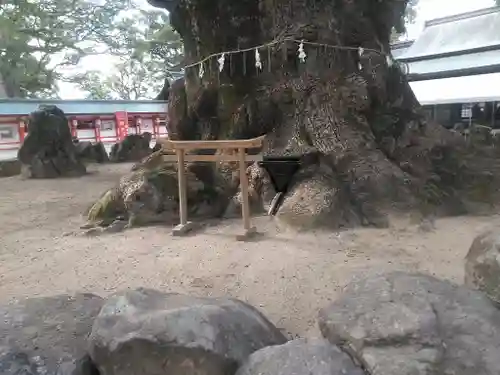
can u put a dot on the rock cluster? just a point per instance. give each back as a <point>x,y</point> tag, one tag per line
<point>404,324</point>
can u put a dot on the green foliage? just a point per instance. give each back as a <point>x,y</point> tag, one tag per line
<point>37,37</point>
<point>39,40</point>
<point>131,79</point>
<point>93,84</point>
<point>149,52</point>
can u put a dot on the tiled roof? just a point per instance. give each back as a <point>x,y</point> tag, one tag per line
<point>471,61</point>
<point>73,107</point>
<point>459,45</point>
<point>459,33</point>
<point>399,49</point>
<point>469,89</point>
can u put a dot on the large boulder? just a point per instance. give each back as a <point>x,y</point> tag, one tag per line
<point>482,265</point>
<point>48,150</point>
<point>48,336</point>
<point>133,147</point>
<point>300,357</point>
<point>143,332</point>
<point>410,324</point>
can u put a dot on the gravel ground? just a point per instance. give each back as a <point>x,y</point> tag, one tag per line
<point>288,276</point>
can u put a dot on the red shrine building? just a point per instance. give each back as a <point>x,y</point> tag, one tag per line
<point>106,121</point>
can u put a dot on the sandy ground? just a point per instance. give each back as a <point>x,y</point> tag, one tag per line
<point>288,276</point>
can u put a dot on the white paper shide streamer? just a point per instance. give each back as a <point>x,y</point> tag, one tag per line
<point>361,50</point>
<point>202,71</point>
<point>302,53</point>
<point>389,61</point>
<point>258,62</point>
<point>221,60</point>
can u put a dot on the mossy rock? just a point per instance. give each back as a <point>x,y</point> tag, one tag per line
<point>106,209</point>
<point>149,190</point>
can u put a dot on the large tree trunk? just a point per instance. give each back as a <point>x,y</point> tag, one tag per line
<point>376,155</point>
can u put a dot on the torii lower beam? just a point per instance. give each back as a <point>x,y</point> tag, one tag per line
<point>241,146</point>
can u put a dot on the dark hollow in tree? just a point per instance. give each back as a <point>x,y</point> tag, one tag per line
<point>376,154</point>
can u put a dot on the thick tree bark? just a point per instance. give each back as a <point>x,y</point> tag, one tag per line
<point>375,153</point>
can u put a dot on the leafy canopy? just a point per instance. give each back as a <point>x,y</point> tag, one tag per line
<point>149,52</point>
<point>39,39</point>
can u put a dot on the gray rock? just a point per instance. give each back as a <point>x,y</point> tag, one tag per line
<point>48,336</point>
<point>410,324</point>
<point>48,150</point>
<point>13,362</point>
<point>143,332</point>
<point>100,153</point>
<point>133,147</point>
<point>91,152</point>
<point>300,357</point>
<point>482,265</point>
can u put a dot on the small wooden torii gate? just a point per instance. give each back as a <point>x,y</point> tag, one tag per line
<point>241,156</point>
